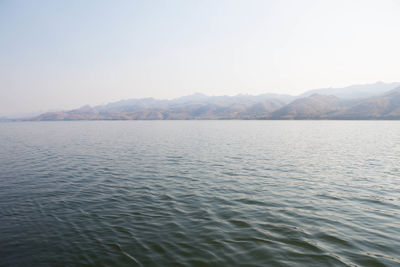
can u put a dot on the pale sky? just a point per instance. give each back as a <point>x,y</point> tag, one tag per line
<point>65,54</point>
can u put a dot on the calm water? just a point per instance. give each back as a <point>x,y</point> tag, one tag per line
<point>200,193</point>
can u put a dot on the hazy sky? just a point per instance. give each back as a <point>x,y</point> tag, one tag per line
<point>65,54</point>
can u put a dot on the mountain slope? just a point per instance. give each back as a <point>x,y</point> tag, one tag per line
<point>312,107</point>
<point>386,106</point>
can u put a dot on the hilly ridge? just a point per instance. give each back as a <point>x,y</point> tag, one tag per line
<point>316,104</point>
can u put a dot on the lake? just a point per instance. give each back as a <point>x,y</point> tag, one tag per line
<point>200,193</point>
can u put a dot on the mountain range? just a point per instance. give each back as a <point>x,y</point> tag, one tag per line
<point>370,101</point>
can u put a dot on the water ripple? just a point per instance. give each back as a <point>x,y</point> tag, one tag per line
<point>200,193</point>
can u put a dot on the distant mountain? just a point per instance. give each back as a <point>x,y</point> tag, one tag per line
<point>320,105</point>
<point>191,98</point>
<point>17,116</point>
<point>191,107</point>
<point>355,91</point>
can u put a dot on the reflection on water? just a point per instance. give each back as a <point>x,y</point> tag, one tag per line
<point>200,193</point>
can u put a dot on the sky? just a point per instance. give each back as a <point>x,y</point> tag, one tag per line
<point>65,54</point>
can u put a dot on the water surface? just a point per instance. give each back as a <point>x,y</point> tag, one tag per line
<point>200,193</point>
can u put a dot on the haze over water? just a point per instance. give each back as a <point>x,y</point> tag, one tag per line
<point>200,193</point>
